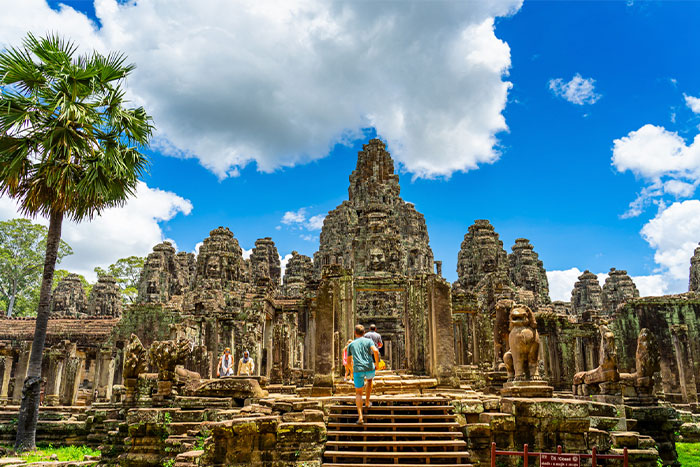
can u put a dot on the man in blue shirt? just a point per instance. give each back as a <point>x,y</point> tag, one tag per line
<point>364,358</point>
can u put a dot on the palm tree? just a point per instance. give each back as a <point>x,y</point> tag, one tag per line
<point>69,148</point>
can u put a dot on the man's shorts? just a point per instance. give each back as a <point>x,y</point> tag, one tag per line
<point>360,376</point>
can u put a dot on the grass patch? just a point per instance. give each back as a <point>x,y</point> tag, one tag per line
<point>64,453</point>
<point>688,454</point>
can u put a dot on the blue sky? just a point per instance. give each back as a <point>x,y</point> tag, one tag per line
<point>549,176</point>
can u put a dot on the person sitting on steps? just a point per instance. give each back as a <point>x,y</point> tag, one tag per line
<point>360,353</point>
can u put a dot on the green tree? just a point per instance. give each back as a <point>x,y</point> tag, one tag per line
<point>22,248</point>
<point>127,272</point>
<point>69,148</point>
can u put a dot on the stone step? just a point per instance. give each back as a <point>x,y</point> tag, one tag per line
<point>398,446</point>
<point>378,407</point>
<point>181,428</point>
<point>457,456</point>
<point>397,426</point>
<point>395,434</point>
<point>331,464</point>
<point>392,417</point>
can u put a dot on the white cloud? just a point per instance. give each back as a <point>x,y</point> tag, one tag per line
<point>299,220</point>
<point>119,232</point>
<point>283,263</point>
<point>651,285</point>
<point>294,217</point>
<point>578,91</point>
<point>693,103</point>
<point>247,253</point>
<point>663,160</point>
<point>280,82</point>
<point>561,283</point>
<point>315,222</point>
<point>674,233</point>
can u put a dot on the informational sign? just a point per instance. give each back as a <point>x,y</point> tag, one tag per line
<point>560,460</point>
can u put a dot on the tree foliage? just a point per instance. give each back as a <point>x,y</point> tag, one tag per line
<point>127,272</point>
<point>69,147</point>
<point>22,251</point>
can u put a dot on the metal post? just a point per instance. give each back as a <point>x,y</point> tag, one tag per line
<point>493,454</point>
<point>625,458</point>
<point>525,456</point>
<point>594,459</point>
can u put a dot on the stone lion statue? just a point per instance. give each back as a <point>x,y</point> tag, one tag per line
<point>166,355</point>
<point>607,369</point>
<point>522,360</point>
<point>135,358</point>
<point>647,361</point>
<point>501,330</point>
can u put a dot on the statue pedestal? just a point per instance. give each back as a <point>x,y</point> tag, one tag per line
<point>527,389</point>
<point>495,380</point>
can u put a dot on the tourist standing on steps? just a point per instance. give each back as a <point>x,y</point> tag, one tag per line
<point>246,367</point>
<point>225,367</point>
<point>364,357</point>
<point>375,337</point>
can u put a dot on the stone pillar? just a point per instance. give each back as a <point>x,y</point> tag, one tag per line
<point>335,286</point>
<point>70,380</point>
<point>684,358</point>
<point>441,333</point>
<point>21,371</point>
<point>6,376</point>
<point>104,374</point>
<point>54,376</point>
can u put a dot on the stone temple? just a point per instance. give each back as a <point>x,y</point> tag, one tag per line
<point>488,358</point>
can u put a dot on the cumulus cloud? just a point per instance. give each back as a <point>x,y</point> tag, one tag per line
<point>561,283</point>
<point>578,90</point>
<point>661,159</point>
<point>300,220</point>
<point>674,233</point>
<point>277,83</point>
<point>119,232</point>
<point>283,263</point>
<point>693,103</point>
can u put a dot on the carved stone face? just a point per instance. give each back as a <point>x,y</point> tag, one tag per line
<point>377,259</point>
<point>212,270</point>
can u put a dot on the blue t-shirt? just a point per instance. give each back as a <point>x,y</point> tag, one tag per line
<point>362,356</point>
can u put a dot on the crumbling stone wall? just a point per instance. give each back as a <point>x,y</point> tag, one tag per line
<point>694,283</point>
<point>618,288</point>
<point>68,298</point>
<point>298,273</point>
<point>527,271</point>
<point>586,297</point>
<point>374,211</point>
<point>105,298</point>
<point>674,321</point>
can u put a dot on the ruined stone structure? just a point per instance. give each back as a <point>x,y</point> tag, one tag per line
<point>105,298</point>
<point>140,381</point>
<point>527,271</point>
<point>618,289</point>
<point>694,283</point>
<point>587,297</point>
<point>165,274</point>
<point>375,230</point>
<point>68,298</point>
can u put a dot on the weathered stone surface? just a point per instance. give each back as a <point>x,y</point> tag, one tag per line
<point>236,387</point>
<point>647,364</point>
<point>527,271</point>
<point>105,298</point>
<point>694,283</point>
<point>481,253</point>
<point>165,274</point>
<point>587,296</point>
<point>298,273</point>
<point>265,262</point>
<point>375,231</point>
<point>618,289</point>
<point>68,298</point>
<point>220,261</point>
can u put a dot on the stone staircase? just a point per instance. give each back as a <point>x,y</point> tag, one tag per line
<point>398,431</point>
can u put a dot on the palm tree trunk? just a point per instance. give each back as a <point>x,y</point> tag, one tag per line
<point>29,410</point>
